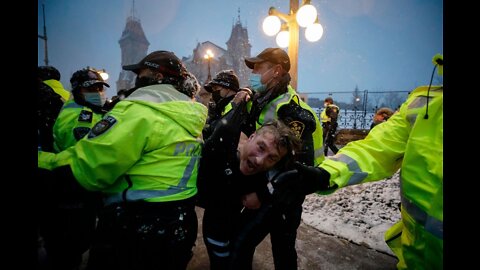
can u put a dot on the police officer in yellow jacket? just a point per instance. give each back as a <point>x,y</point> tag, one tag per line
<point>412,139</point>
<point>143,156</point>
<point>329,117</point>
<point>69,222</point>
<point>275,98</point>
<point>79,115</point>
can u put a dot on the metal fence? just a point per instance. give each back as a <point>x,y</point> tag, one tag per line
<point>355,119</point>
<point>357,108</point>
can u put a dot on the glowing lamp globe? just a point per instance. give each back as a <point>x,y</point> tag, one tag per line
<point>283,39</point>
<point>271,25</point>
<point>306,15</point>
<point>104,75</point>
<point>314,32</point>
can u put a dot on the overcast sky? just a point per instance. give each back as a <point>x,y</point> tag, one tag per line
<point>379,45</point>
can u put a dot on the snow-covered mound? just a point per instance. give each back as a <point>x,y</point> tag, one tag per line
<point>360,213</point>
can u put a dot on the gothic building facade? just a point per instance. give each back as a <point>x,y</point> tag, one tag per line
<point>134,46</point>
<point>238,47</point>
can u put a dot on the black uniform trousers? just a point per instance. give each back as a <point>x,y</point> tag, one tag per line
<point>255,225</point>
<point>67,216</point>
<point>218,226</point>
<point>67,231</point>
<point>329,130</point>
<point>145,235</point>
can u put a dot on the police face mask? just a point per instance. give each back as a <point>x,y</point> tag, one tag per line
<point>256,82</point>
<point>96,98</point>
<point>216,97</point>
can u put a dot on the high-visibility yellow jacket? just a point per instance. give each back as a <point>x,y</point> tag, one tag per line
<point>229,107</point>
<point>58,88</point>
<point>271,110</point>
<point>152,138</point>
<point>414,144</point>
<point>73,122</point>
<point>323,115</point>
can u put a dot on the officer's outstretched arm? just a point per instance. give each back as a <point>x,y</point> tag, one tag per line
<point>291,186</point>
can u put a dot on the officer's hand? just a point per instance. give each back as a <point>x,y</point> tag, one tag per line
<point>251,201</point>
<point>290,187</point>
<point>243,94</point>
<point>285,180</point>
<point>286,189</point>
<point>247,90</point>
<point>313,178</point>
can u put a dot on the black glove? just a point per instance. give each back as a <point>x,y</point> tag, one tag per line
<point>312,178</point>
<point>290,187</point>
<point>286,191</point>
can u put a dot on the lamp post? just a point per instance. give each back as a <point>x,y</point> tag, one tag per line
<point>44,37</point>
<point>365,105</point>
<point>208,55</point>
<point>288,32</point>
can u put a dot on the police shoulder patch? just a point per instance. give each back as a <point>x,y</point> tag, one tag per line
<point>85,116</point>
<point>80,132</point>
<point>102,126</point>
<point>297,127</point>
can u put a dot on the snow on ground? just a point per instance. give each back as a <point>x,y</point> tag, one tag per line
<point>360,213</point>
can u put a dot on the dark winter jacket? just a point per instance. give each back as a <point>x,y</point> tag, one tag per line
<point>216,112</point>
<point>49,105</point>
<point>220,182</point>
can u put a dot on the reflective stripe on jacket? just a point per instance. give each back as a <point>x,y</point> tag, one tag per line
<point>73,121</point>
<point>152,136</point>
<point>270,112</point>
<point>415,144</point>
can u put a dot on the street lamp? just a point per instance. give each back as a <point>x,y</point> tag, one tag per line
<point>287,35</point>
<point>208,55</point>
<point>44,37</point>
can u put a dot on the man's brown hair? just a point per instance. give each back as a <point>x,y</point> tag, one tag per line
<point>284,138</point>
<point>385,112</point>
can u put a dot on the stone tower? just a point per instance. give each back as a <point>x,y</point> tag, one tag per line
<point>238,48</point>
<point>134,46</point>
